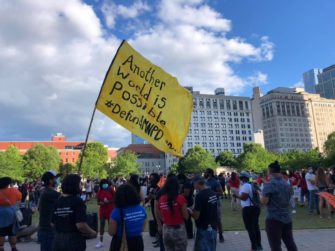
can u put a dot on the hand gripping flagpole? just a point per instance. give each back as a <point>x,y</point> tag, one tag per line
<point>95,108</point>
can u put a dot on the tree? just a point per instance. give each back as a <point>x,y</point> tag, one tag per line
<point>94,160</point>
<point>40,159</point>
<point>11,164</point>
<point>125,164</point>
<point>255,157</point>
<point>196,160</point>
<point>297,159</point>
<point>226,158</point>
<point>329,148</point>
<point>66,169</point>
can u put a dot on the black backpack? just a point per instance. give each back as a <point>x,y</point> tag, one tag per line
<point>256,200</point>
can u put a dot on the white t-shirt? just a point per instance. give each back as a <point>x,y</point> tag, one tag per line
<point>246,188</point>
<point>309,177</point>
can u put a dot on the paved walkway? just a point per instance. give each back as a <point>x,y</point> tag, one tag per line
<point>306,240</point>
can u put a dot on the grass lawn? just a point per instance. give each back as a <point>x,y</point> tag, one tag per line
<point>232,220</point>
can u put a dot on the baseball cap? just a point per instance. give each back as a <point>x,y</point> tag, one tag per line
<point>47,176</point>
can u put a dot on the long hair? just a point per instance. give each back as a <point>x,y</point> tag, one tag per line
<point>233,176</point>
<point>126,196</point>
<point>320,176</point>
<point>171,189</point>
<point>133,180</point>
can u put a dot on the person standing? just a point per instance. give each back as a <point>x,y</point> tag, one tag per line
<point>105,199</point>
<point>9,197</point>
<point>70,219</point>
<point>250,212</point>
<point>46,205</point>
<point>172,210</point>
<point>313,202</point>
<point>205,215</point>
<point>234,184</point>
<point>127,217</point>
<point>276,196</point>
<point>214,184</point>
<point>322,184</point>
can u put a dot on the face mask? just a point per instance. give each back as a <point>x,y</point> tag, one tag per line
<point>56,182</point>
<point>104,186</point>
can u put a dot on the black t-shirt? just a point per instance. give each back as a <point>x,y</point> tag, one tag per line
<point>69,210</point>
<point>206,204</point>
<point>46,206</point>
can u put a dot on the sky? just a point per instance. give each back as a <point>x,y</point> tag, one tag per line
<point>54,54</point>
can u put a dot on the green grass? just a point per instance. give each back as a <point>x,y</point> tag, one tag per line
<point>232,220</point>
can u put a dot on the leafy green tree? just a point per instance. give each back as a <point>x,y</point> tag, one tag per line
<point>329,150</point>
<point>174,168</point>
<point>11,164</point>
<point>94,160</point>
<point>196,160</point>
<point>297,159</point>
<point>255,157</point>
<point>66,169</point>
<point>226,158</point>
<point>39,159</point>
<point>125,164</point>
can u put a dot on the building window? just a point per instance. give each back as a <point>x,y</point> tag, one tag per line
<point>240,104</point>
<point>234,105</point>
<point>215,104</point>
<point>221,102</point>
<point>228,105</point>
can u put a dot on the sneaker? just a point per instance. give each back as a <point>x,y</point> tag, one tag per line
<point>99,245</point>
<point>293,212</point>
<point>221,238</point>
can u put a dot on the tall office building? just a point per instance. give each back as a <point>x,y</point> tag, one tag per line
<point>294,119</point>
<point>326,83</point>
<point>311,80</point>
<point>219,122</point>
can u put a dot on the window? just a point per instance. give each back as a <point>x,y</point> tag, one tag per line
<point>203,138</point>
<point>240,105</point>
<point>221,102</point>
<point>203,125</point>
<point>218,138</point>
<point>228,105</point>
<point>210,125</point>
<point>215,104</point>
<point>234,105</point>
<point>208,103</point>
<point>196,137</point>
<point>211,138</point>
<point>201,103</point>
<point>209,113</point>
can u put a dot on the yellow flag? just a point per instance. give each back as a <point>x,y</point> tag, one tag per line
<point>146,100</point>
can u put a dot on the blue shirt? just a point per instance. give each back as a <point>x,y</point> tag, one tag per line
<point>279,194</point>
<point>7,216</point>
<point>134,218</point>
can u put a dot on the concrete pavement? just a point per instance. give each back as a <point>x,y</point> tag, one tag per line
<point>306,240</point>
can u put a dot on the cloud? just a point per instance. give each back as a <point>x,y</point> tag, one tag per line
<point>257,79</point>
<point>299,84</point>
<point>111,11</point>
<point>54,57</point>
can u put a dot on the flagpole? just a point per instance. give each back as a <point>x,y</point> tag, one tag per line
<point>95,108</point>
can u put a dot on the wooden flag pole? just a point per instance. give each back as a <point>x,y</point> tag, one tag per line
<point>95,108</point>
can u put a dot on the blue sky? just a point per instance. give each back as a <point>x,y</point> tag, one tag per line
<point>54,57</point>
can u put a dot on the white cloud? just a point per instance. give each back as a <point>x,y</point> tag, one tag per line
<point>54,57</point>
<point>111,11</point>
<point>299,84</point>
<point>257,79</point>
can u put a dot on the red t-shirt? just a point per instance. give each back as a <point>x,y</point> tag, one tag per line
<point>105,209</point>
<point>260,180</point>
<point>175,217</point>
<point>294,180</point>
<point>235,183</point>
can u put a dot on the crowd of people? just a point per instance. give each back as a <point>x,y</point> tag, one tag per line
<point>182,207</point>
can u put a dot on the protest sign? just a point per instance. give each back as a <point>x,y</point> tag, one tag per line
<point>146,100</point>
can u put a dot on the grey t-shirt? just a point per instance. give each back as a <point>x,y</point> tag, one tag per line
<point>279,193</point>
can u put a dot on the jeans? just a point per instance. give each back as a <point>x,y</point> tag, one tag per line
<point>303,193</point>
<point>175,238</point>
<point>313,202</point>
<point>250,219</point>
<point>46,238</point>
<point>205,240</point>
<point>277,231</point>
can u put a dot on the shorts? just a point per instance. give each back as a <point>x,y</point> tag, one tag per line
<point>7,231</point>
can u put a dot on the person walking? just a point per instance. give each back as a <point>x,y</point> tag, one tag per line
<point>105,199</point>
<point>313,201</point>
<point>172,210</point>
<point>70,219</point>
<point>214,184</point>
<point>276,196</point>
<point>205,215</point>
<point>250,212</point>
<point>46,206</point>
<point>127,218</point>
<point>9,198</point>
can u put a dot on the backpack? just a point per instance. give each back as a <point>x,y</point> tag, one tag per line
<point>256,200</point>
